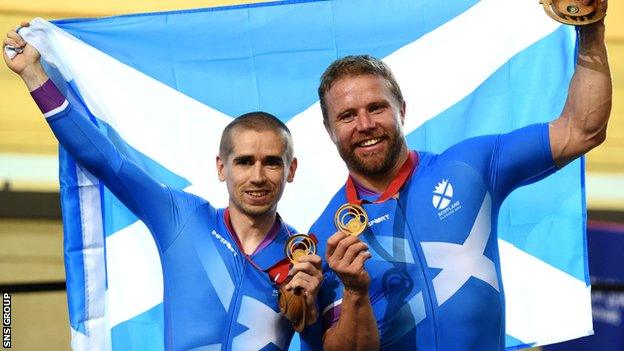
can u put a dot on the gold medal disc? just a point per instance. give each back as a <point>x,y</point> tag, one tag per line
<point>351,219</point>
<point>299,245</point>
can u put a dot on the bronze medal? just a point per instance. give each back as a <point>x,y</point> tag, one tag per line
<point>573,12</point>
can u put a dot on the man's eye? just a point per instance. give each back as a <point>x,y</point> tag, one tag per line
<point>346,116</point>
<point>375,108</point>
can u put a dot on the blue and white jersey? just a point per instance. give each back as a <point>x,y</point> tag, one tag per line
<point>435,268</point>
<point>214,297</point>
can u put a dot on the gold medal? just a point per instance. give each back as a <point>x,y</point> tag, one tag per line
<point>299,245</point>
<point>351,219</point>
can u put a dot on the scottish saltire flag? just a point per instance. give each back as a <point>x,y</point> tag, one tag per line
<point>162,86</point>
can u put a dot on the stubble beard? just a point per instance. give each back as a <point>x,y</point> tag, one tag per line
<point>374,167</point>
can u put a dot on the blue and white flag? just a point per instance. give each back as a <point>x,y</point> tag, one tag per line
<point>162,87</point>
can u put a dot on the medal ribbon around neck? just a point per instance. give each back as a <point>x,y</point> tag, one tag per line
<point>351,218</point>
<point>239,244</point>
<point>296,246</point>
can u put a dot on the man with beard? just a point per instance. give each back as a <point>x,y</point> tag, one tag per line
<point>420,300</point>
<point>217,293</point>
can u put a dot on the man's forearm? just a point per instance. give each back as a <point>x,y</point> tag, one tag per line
<point>34,77</point>
<point>591,87</point>
<point>583,122</point>
<point>357,328</point>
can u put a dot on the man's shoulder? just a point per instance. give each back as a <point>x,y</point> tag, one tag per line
<point>188,199</point>
<point>466,151</point>
<point>470,146</point>
<point>475,152</point>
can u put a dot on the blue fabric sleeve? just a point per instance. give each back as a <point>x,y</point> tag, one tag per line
<point>508,161</point>
<point>329,298</point>
<point>160,208</point>
<point>331,291</point>
<point>521,157</point>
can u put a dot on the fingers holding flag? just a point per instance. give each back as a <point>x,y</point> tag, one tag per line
<point>14,41</point>
<point>576,12</point>
<point>603,5</point>
<point>23,58</point>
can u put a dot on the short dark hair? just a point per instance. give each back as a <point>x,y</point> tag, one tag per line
<point>258,121</point>
<point>355,66</point>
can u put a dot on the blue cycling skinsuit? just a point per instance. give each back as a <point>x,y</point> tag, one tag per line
<point>215,296</point>
<point>435,268</point>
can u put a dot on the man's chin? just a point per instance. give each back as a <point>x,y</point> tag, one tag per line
<point>257,210</point>
<point>371,165</point>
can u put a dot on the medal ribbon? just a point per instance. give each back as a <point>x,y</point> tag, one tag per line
<point>277,272</point>
<point>234,236</point>
<point>399,180</point>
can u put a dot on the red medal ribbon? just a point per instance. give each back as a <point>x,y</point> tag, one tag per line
<point>399,180</point>
<point>237,241</point>
<point>279,271</point>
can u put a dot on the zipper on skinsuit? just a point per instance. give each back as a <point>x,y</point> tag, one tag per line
<point>423,276</point>
<point>234,316</point>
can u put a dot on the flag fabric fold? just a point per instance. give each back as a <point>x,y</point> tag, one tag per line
<point>162,87</point>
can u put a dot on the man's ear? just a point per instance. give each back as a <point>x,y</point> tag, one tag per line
<point>291,170</point>
<point>220,169</point>
<point>402,112</point>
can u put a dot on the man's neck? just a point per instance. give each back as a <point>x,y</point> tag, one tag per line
<point>251,230</point>
<point>379,182</point>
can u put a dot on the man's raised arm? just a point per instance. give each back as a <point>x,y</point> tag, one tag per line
<point>141,193</point>
<point>583,122</point>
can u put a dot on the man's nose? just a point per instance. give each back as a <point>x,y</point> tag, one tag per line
<point>365,122</point>
<point>258,175</point>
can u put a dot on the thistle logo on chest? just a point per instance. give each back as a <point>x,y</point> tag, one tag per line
<point>442,195</point>
<point>443,199</point>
